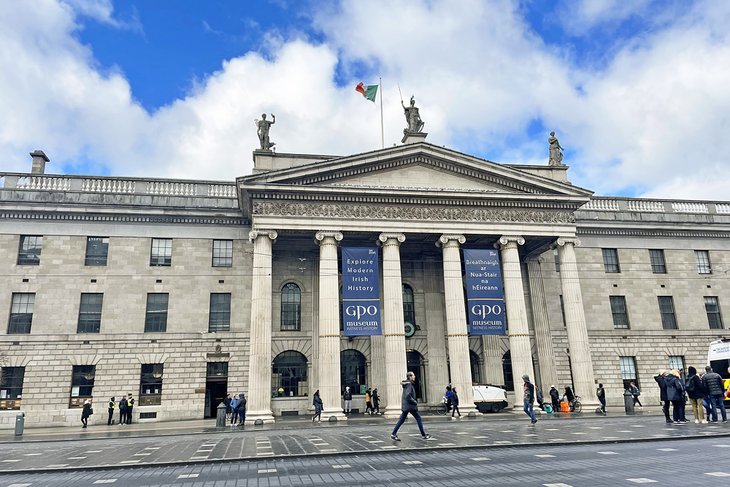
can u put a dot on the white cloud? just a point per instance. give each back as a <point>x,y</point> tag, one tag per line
<point>655,118</point>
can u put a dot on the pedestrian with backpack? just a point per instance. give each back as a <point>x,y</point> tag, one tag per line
<point>696,394</point>
<point>601,395</point>
<point>122,410</point>
<point>454,402</point>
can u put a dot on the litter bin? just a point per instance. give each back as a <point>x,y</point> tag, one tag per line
<point>220,418</point>
<point>628,402</point>
<point>19,424</point>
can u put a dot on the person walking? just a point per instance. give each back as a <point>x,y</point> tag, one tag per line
<point>229,409</point>
<point>368,401</point>
<point>601,395</point>
<point>555,399</point>
<point>112,406</point>
<point>569,396</point>
<point>409,405</point>
<point>659,378</point>
<point>712,382</point>
<point>317,403</point>
<point>242,409</point>
<point>122,410</point>
<point>449,398</point>
<point>85,413</point>
<point>233,405</point>
<point>454,402</point>
<point>347,397</point>
<point>376,401</point>
<point>528,396</point>
<point>675,395</point>
<point>635,393</point>
<point>130,406</point>
<point>696,393</point>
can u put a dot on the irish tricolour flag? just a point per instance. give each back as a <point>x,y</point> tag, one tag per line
<point>368,91</point>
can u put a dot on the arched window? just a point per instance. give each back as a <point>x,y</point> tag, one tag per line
<point>409,307</point>
<point>353,373</point>
<point>291,307</point>
<point>509,382</point>
<point>289,374</point>
<point>476,371</point>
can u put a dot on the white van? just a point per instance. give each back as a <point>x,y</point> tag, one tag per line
<point>718,357</point>
<point>489,399</point>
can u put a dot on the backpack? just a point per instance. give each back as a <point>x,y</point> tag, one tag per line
<point>690,385</point>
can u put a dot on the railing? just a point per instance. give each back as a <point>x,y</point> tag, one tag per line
<point>113,185</point>
<point>655,206</point>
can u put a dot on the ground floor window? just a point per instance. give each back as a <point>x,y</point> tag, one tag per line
<point>352,372</point>
<point>509,383</point>
<point>628,371</point>
<point>150,385</point>
<point>11,387</point>
<point>476,370</point>
<point>82,385</point>
<point>289,375</point>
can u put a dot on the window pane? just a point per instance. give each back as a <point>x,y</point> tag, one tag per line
<point>703,261</point>
<point>628,371</point>
<point>97,249</point>
<point>610,260</point>
<point>556,256</point>
<point>222,253</point>
<point>90,313</point>
<point>156,317</point>
<point>666,309</point>
<point>161,254</point>
<point>220,312</point>
<point>658,264</point>
<point>21,312</point>
<point>291,309</point>
<point>289,375</point>
<point>29,251</point>
<point>82,384</point>
<point>619,312</point>
<point>712,307</point>
<point>409,307</point>
<point>352,371</point>
<point>11,387</point>
<point>677,362</point>
<point>150,385</point>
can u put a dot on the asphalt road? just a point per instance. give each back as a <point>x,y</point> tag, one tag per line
<point>670,463</point>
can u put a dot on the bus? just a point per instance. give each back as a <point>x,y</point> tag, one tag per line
<point>718,357</point>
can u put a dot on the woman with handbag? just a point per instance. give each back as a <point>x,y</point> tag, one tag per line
<point>85,413</point>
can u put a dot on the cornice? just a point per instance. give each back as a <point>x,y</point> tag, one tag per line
<point>638,232</point>
<point>122,218</point>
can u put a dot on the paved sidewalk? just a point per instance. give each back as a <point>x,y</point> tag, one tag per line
<point>293,438</point>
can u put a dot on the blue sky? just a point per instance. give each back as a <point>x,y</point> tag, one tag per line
<point>636,91</point>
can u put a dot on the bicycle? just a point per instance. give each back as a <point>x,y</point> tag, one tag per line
<point>443,409</point>
<point>576,407</point>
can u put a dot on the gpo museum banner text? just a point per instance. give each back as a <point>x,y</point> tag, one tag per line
<point>484,292</point>
<point>360,291</point>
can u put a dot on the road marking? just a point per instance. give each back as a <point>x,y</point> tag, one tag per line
<point>624,431</point>
<point>642,480</point>
<point>462,433</point>
<point>31,455</point>
<point>57,465</point>
<point>551,429</point>
<point>90,451</point>
<point>13,461</point>
<point>323,450</point>
<point>199,458</point>
<point>547,455</point>
<point>261,453</point>
<point>637,425</point>
<point>508,431</point>
<point>188,476</point>
<point>341,466</point>
<point>142,454</point>
<point>722,446</point>
<point>377,441</point>
<point>19,485</point>
<point>388,447</point>
<point>130,461</point>
<point>76,458</point>
<point>607,453</point>
<point>412,462</point>
<point>557,485</point>
<point>718,474</point>
<point>480,459</point>
<point>480,437</point>
<point>578,433</point>
<point>266,470</point>
<point>152,448</point>
<point>666,449</point>
<point>105,481</point>
<point>595,427</point>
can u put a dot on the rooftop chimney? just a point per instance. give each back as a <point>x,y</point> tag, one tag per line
<point>39,162</point>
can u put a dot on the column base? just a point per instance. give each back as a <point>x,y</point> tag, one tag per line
<point>392,412</point>
<point>259,418</point>
<point>333,415</point>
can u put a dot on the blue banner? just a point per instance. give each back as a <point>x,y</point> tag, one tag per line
<point>484,292</point>
<point>360,291</point>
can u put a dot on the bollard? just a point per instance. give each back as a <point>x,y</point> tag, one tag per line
<point>220,418</point>
<point>628,402</point>
<point>19,424</point>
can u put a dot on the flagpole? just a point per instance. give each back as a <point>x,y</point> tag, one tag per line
<point>382,136</point>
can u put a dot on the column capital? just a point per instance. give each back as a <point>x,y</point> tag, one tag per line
<point>446,239</point>
<point>562,241</point>
<point>323,234</point>
<point>506,241</point>
<point>394,238</point>
<point>254,234</point>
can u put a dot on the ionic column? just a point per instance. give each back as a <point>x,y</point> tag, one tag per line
<point>575,321</point>
<point>493,373</point>
<point>438,374</point>
<point>543,337</point>
<point>393,324</point>
<point>518,329</point>
<point>329,325</point>
<point>259,379</point>
<point>456,330</point>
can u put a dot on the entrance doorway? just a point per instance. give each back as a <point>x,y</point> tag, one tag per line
<point>216,386</point>
<point>414,363</point>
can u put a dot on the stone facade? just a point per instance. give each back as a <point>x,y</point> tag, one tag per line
<point>421,204</point>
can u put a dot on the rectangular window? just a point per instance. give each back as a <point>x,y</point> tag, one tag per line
<point>161,253</point>
<point>82,385</point>
<point>222,253</point>
<point>220,312</point>
<point>610,261</point>
<point>11,387</point>
<point>666,309</point>
<point>658,264</point>
<point>619,312</point>
<point>703,261</point>
<point>628,371</point>
<point>712,307</point>
<point>97,250</point>
<point>156,317</point>
<point>677,362</point>
<point>216,370</point>
<point>562,310</point>
<point>556,255</point>
<point>29,250</point>
<point>21,313</point>
<point>90,313</point>
<point>150,385</point>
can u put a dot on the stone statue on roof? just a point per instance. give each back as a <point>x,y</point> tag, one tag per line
<point>413,118</point>
<point>556,151</point>
<point>262,130</point>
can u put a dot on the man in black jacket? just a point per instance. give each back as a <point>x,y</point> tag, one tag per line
<point>712,382</point>
<point>529,398</point>
<point>409,404</point>
<point>659,378</point>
